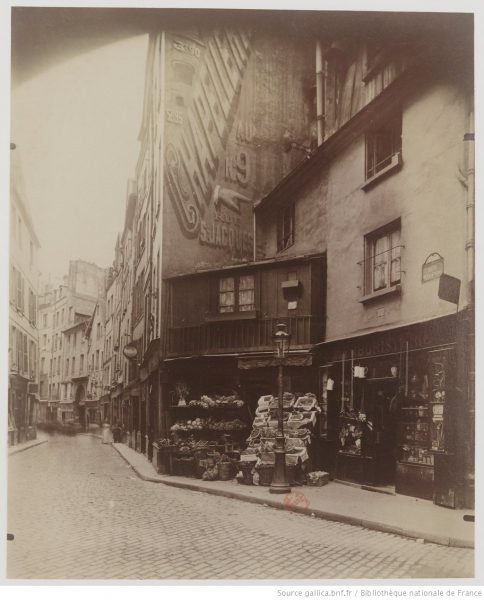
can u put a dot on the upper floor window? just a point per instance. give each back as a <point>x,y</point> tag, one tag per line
<point>285,227</point>
<point>13,222</point>
<point>383,146</point>
<point>32,307</point>
<point>17,289</point>
<point>383,259</point>
<point>236,294</point>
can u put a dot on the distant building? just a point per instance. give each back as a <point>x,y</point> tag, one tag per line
<point>95,357</point>
<point>23,333</point>
<point>64,315</point>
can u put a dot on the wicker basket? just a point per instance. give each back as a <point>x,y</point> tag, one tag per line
<point>318,480</point>
<point>246,469</point>
<point>226,471</point>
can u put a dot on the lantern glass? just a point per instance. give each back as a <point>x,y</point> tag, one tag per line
<point>281,341</point>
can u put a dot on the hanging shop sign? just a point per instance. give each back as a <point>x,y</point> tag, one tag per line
<point>421,335</point>
<point>449,288</point>
<point>264,362</point>
<point>130,351</point>
<point>433,267</point>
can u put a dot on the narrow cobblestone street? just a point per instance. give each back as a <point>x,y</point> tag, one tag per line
<point>78,511</point>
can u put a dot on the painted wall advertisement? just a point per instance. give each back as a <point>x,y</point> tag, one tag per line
<point>222,128</point>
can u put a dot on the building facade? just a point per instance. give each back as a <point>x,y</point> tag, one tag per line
<point>23,381</point>
<point>327,184</point>
<point>388,196</point>
<point>63,351</point>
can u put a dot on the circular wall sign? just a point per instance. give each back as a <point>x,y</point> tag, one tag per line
<point>130,351</point>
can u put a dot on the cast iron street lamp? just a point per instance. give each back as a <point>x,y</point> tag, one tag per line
<point>279,484</point>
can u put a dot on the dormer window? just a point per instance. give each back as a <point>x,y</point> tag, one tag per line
<point>383,147</point>
<point>285,227</point>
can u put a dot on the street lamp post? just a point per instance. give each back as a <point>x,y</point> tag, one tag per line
<point>280,484</point>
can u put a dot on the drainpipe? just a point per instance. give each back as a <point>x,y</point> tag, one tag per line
<point>254,235</point>
<point>466,327</point>
<point>470,209</point>
<point>319,92</point>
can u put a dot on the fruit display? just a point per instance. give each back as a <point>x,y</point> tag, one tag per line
<point>208,402</point>
<point>209,424</point>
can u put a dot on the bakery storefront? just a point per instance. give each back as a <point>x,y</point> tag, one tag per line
<point>391,404</point>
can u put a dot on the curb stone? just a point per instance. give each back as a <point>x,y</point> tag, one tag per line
<point>15,450</point>
<point>441,540</point>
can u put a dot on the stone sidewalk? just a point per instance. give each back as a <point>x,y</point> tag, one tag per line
<point>401,515</point>
<point>42,438</point>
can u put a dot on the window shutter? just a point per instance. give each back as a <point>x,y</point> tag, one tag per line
<point>19,351</point>
<point>19,290</point>
<point>26,355</point>
<point>13,284</point>
<point>22,294</point>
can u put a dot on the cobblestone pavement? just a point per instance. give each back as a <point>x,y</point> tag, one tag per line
<point>78,511</point>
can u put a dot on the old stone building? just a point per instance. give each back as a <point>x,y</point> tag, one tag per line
<point>62,309</point>
<point>23,349</point>
<point>388,197</point>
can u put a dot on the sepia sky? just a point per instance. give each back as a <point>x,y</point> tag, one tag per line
<point>76,125</point>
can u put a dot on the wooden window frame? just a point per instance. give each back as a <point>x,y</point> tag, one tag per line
<point>236,291</point>
<point>378,163</point>
<point>370,241</point>
<point>286,213</point>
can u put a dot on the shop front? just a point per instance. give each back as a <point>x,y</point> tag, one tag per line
<point>391,403</point>
<point>223,410</point>
<point>18,409</point>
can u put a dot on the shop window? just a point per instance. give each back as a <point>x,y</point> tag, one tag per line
<point>236,294</point>
<point>383,147</point>
<point>382,264</point>
<point>285,227</point>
